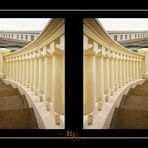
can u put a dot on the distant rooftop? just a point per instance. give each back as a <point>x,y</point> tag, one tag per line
<point>127,31</point>
<point>19,31</point>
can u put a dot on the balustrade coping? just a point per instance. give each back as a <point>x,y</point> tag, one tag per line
<point>96,27</point>
<point>34,44</point>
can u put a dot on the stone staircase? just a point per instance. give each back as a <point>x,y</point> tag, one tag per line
<point>133,110</point>
<point>14,110</point>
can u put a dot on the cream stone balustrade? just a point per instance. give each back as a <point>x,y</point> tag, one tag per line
<point>38,71</point>
<point>110,70</point>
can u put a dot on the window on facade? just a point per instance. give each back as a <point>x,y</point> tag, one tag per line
<point>126,36</point>
<point>17,36</point>
<point>141,35</point>
<point>135,35</point>
<point>32,37</point>
<point>21,36</point>
<point>121,37</point>
<point>130,36</point>
<point>26,36</point>
<point>11,35</point>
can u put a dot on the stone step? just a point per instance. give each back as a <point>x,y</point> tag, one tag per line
<point>129,119</point>
<point>142,93</point>
<point>130,91</point>
<point>9,92</point>
<point>138,86</point>
<point>3,86</point>
<point>10,86</point>
<point>18,119</point>
<point>135,102</point>
<point>142,88</point>
<point>14,110</point>
<point>13,102</point>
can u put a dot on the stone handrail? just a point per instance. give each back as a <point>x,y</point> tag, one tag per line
<point>39,67</point>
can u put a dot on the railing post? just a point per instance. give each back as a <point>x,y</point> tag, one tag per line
<point>7,71</point>
<point>89,83</point>
<point>127,70</point>
<point>107,77</point>
<point>20,69</point>
<point>3,63</point>
<point>100,78</point>
<point>145,52</point>
<point>10,77</point>
<point>36,73</point>
<point>116,72</point>
<point>48,85</point>
<point>31,71</point>
<point>134,68</point>
<point>120,70</point>
<point>41,75</point>
<point>27,70</point>
<point>137,68</point>
<point>130,69</point>
<point>111,71</point>
<point>13,72</point>
<point>17,69</point>
<point>58,82</point>
<point>23,69</point>
<point>140,68</point>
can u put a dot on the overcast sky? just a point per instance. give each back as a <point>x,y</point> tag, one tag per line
<point>124,24</point>
<point>23,23</point>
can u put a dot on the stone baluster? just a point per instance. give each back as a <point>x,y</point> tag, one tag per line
<point>27,70</point>
<point>120,71</point>
<point>36,73</point>
<point>116,72</point>
<point>124,70</point>
<point>106,76</point>
<point>127,70</point>
<point>100,78</point>
<point>31,71</point>
<point>89,78</point>
<point>11,68</point>
<point>48,76</point>
<point>112,73</point>
<point>58,79</point>
<point>16,67</point>
<point>41,75</point>
<point>131,71</point>
<point>20,69</point>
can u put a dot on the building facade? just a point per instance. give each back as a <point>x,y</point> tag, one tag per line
<point>20,35</point>
<point>127,35</point>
